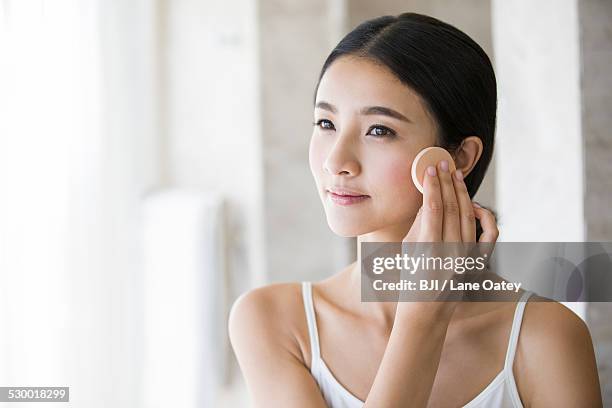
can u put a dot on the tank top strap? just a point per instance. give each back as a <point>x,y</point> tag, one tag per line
<point>312,324</point>
<point>516,328</point>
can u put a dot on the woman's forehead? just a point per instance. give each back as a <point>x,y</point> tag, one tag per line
<point>351,83</point>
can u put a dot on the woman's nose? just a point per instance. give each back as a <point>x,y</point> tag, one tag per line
<point>341,159</point>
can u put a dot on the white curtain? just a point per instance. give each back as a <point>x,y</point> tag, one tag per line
<point>76,149</point>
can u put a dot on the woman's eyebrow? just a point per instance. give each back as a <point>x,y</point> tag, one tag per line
<point>381,110</point>
<point>368,110</point>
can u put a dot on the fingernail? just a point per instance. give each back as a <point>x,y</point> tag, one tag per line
<point>459,175</point>
<point>431,170</point>
<point>444,165</point>
<point>477,205</point>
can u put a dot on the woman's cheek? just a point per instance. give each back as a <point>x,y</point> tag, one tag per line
<point>397,172</point>
<point>315,157</point>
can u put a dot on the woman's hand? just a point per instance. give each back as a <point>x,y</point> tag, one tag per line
<point>447,213</point>
<point>448,216</point>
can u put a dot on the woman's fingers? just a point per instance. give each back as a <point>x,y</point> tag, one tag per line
<point>432,217</point>
<point>468,219</point>
<point>448,214</point>
<point>451,228</point>
<point>488,223</point>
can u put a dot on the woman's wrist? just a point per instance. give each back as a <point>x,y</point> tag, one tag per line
<point>434,312</point>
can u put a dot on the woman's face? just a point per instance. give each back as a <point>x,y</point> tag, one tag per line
<point>360,144</point>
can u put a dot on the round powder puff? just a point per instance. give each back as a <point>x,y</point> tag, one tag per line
<point>429,156</point>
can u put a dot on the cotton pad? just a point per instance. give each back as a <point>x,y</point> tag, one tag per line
<point>430,156</point>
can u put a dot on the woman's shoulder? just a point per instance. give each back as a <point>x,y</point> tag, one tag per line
<point>554,343</point>
<point>269,295</point>
<point>282,302</point>
<point>271,314</point>
<point>549,325</point>
<point>269,304</point>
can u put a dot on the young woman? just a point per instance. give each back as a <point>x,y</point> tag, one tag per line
<point>391,87</point>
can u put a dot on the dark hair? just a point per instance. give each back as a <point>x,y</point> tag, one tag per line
<point>450,71</point>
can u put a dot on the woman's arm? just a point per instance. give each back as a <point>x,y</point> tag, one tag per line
<point>410,363</point>
<point>556,364</point>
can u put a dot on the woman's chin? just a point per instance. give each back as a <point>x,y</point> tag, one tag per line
<point>347,230</point>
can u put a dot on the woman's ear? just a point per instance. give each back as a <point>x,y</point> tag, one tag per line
<point>467,154</point>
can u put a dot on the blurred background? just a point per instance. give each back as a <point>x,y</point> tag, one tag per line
<point>154,166</point>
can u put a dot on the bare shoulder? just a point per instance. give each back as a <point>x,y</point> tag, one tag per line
<point>264,326</point>
<point>543,317</point>
<point>550,328</point>
<point>555,361</point>
<point>268,315</point>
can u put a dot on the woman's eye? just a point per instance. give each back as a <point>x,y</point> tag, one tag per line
<point>324,124</point>
<point>381,131</point>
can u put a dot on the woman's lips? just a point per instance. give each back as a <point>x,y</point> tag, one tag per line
<point>347,199</point>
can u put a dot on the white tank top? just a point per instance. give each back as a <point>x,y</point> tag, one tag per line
<point>500,393</point>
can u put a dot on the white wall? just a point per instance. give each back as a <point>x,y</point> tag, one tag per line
<point>211,130</point>
<point>539,154</point>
